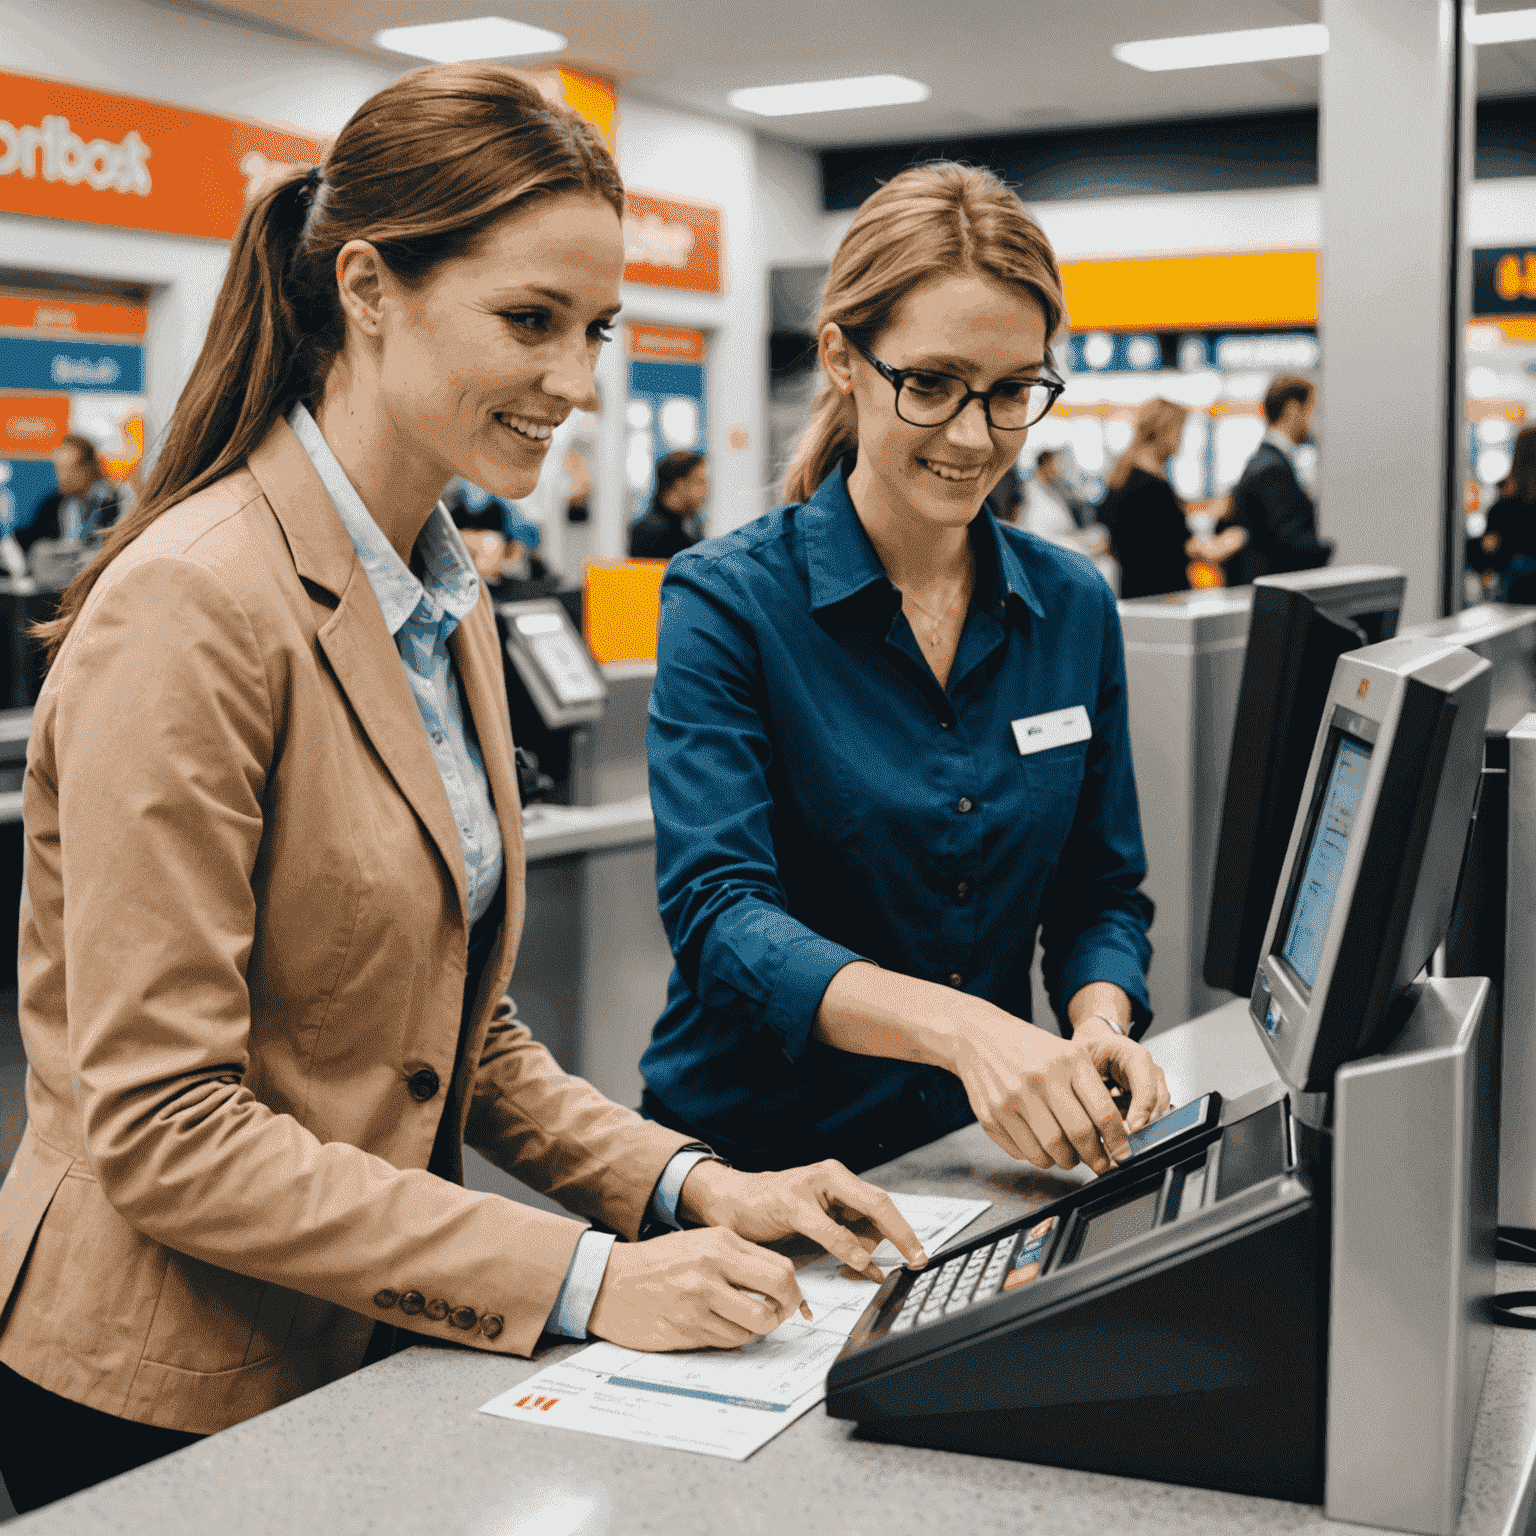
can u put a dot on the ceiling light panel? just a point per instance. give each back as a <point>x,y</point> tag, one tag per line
<point>479,37</point>
<point>1504,27</point>
<point>1209,48</point>
<point>829,95</point>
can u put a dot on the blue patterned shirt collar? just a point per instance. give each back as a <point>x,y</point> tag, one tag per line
<point>452,585</point>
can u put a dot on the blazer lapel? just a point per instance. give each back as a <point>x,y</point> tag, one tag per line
<point>356,641</point>
<point>475,646</point>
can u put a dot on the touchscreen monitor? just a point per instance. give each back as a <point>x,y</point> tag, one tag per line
<point>1323,866</point>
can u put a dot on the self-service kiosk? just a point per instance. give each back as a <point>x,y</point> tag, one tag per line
<point>1286,1294</point>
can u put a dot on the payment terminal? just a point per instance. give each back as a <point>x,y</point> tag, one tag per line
<point>1283,1294</point>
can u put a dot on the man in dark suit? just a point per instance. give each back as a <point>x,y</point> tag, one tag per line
<point>1268,502</point>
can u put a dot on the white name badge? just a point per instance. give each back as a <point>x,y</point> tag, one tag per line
<point>1041,732</point>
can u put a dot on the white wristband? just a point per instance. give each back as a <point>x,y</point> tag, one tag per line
<point>1118,1029</point>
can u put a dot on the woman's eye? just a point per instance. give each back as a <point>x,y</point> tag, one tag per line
<point>929,383</point>
<point>528,319</point>
<point>602,331</point>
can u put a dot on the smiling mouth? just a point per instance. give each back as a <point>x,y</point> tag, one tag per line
<point>527,427</point>
<point>950,474</point>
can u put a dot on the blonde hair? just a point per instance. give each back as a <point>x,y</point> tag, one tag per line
<point>1152,420</point>
<point>933,221</point>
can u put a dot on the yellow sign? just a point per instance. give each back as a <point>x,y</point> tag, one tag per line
<point>1192,293</point>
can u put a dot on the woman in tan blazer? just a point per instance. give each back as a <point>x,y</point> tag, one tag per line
<point>274,860</point>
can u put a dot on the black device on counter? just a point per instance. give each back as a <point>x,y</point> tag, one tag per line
<point>1169,1320</point>
<point>1299,627</point>
<point>554,687</point>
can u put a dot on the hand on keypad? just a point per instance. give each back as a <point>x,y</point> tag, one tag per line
<point>973,1277</point>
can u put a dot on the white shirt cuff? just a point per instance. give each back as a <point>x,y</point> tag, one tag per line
<point>669,1187</point>
<point>583,1280</point>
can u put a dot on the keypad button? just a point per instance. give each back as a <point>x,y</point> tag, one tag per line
<point>902,1323</point>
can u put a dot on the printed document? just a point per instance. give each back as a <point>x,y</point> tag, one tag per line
<point>725,1402</point>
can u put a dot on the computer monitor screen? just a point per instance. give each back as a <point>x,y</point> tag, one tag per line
<point>1323,867</point>
<point>1372,861</point>
<point>1300,625</point>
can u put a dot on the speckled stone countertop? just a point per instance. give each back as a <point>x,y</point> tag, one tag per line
<point>401,1448</point>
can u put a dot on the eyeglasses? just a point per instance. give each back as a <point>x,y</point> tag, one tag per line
<point>928,399</point>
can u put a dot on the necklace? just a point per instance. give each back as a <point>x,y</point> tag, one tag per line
<point>962,593</point>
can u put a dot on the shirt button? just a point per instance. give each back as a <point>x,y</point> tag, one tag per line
<point>437,736</point>
<point>956,979</point>
<point>963,889</point>
<point>964,804</point>
<point>944,725</point>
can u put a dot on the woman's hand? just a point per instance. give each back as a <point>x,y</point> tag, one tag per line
<point>1039,1097</point>
<point>690,1290</point>
<point>824,1202</point>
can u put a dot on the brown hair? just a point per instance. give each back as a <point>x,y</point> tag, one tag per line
<point>1155,417</point>
<point>1521,482</point>
<point>422,170</point>
<point>672,467</point>
<point>1284,389</point>
<point>83,449</point>
<point>932,221</point>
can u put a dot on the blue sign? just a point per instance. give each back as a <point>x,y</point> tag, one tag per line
<point>1099,351</point>
<point>666,413</point>
<point>81,367</point>
<point>24,485</point>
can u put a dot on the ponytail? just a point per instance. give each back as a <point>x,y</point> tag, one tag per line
<point>421,170</point>
<point>834,431</point>
<point>934,221</point>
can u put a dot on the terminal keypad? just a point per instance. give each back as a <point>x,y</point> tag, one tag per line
<point>973,1277</point>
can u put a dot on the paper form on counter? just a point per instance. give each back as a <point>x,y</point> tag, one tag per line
<point>724,1402</point>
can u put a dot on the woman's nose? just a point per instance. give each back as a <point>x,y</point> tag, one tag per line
<point>969,429</point>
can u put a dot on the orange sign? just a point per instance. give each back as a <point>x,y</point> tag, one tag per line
<point>19,313</point>
<point>666,341</point>
<point>671,244</point>
<point>595,98</point>
<point>1175,293</point>
<point>67,152</point>
<point>622,608</point>
<point>33,424</point>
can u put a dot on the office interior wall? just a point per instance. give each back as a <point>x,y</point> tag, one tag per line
<point>695,158</point>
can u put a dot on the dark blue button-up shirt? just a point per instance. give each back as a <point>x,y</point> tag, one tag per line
<point>820,798</point>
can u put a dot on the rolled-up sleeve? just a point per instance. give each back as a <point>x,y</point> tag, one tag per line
<point>722,902</point>
<point>1095,917</point>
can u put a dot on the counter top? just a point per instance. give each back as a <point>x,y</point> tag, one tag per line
<point>552,830</point>
<point>401,1447</point>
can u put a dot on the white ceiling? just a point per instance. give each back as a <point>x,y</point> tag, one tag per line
<point>994,66</point>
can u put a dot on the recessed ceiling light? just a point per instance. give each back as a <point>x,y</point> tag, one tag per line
<point>829,95</point>
<point>479,37</point>
<point>1507,27</point>
<point>1209,48</point>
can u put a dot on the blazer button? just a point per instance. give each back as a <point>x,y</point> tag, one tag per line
<point>437,1309</point>
<point>386,1299</point>
<point>463,1317</point>
<point>412,1303</point>
<point>422,1085</point>
<point>490,1325</point>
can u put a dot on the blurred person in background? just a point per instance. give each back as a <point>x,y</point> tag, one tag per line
<point>1051,479</point>
<point>1509,542</point>
<point>500,540</point>
<point>85,504</point>
<point>888,746</point>
<point>1145,519</point>
<point>1272,525</point>
<point>274,875</point>
<point>671,522</point>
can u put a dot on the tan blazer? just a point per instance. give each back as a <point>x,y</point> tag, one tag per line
<point>243,932</point>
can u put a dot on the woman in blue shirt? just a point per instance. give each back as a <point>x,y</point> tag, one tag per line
<point>888,741</point>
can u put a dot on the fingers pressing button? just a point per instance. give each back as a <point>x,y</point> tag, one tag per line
<point>491,1325</point>
<point>463,1317</point>
<point>421,1085</point>
<point>437,1309</point>
<point>412,1303</point>
<point>386,1299</point>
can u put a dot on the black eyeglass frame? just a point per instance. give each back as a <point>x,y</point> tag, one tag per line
<point>896,377</point>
